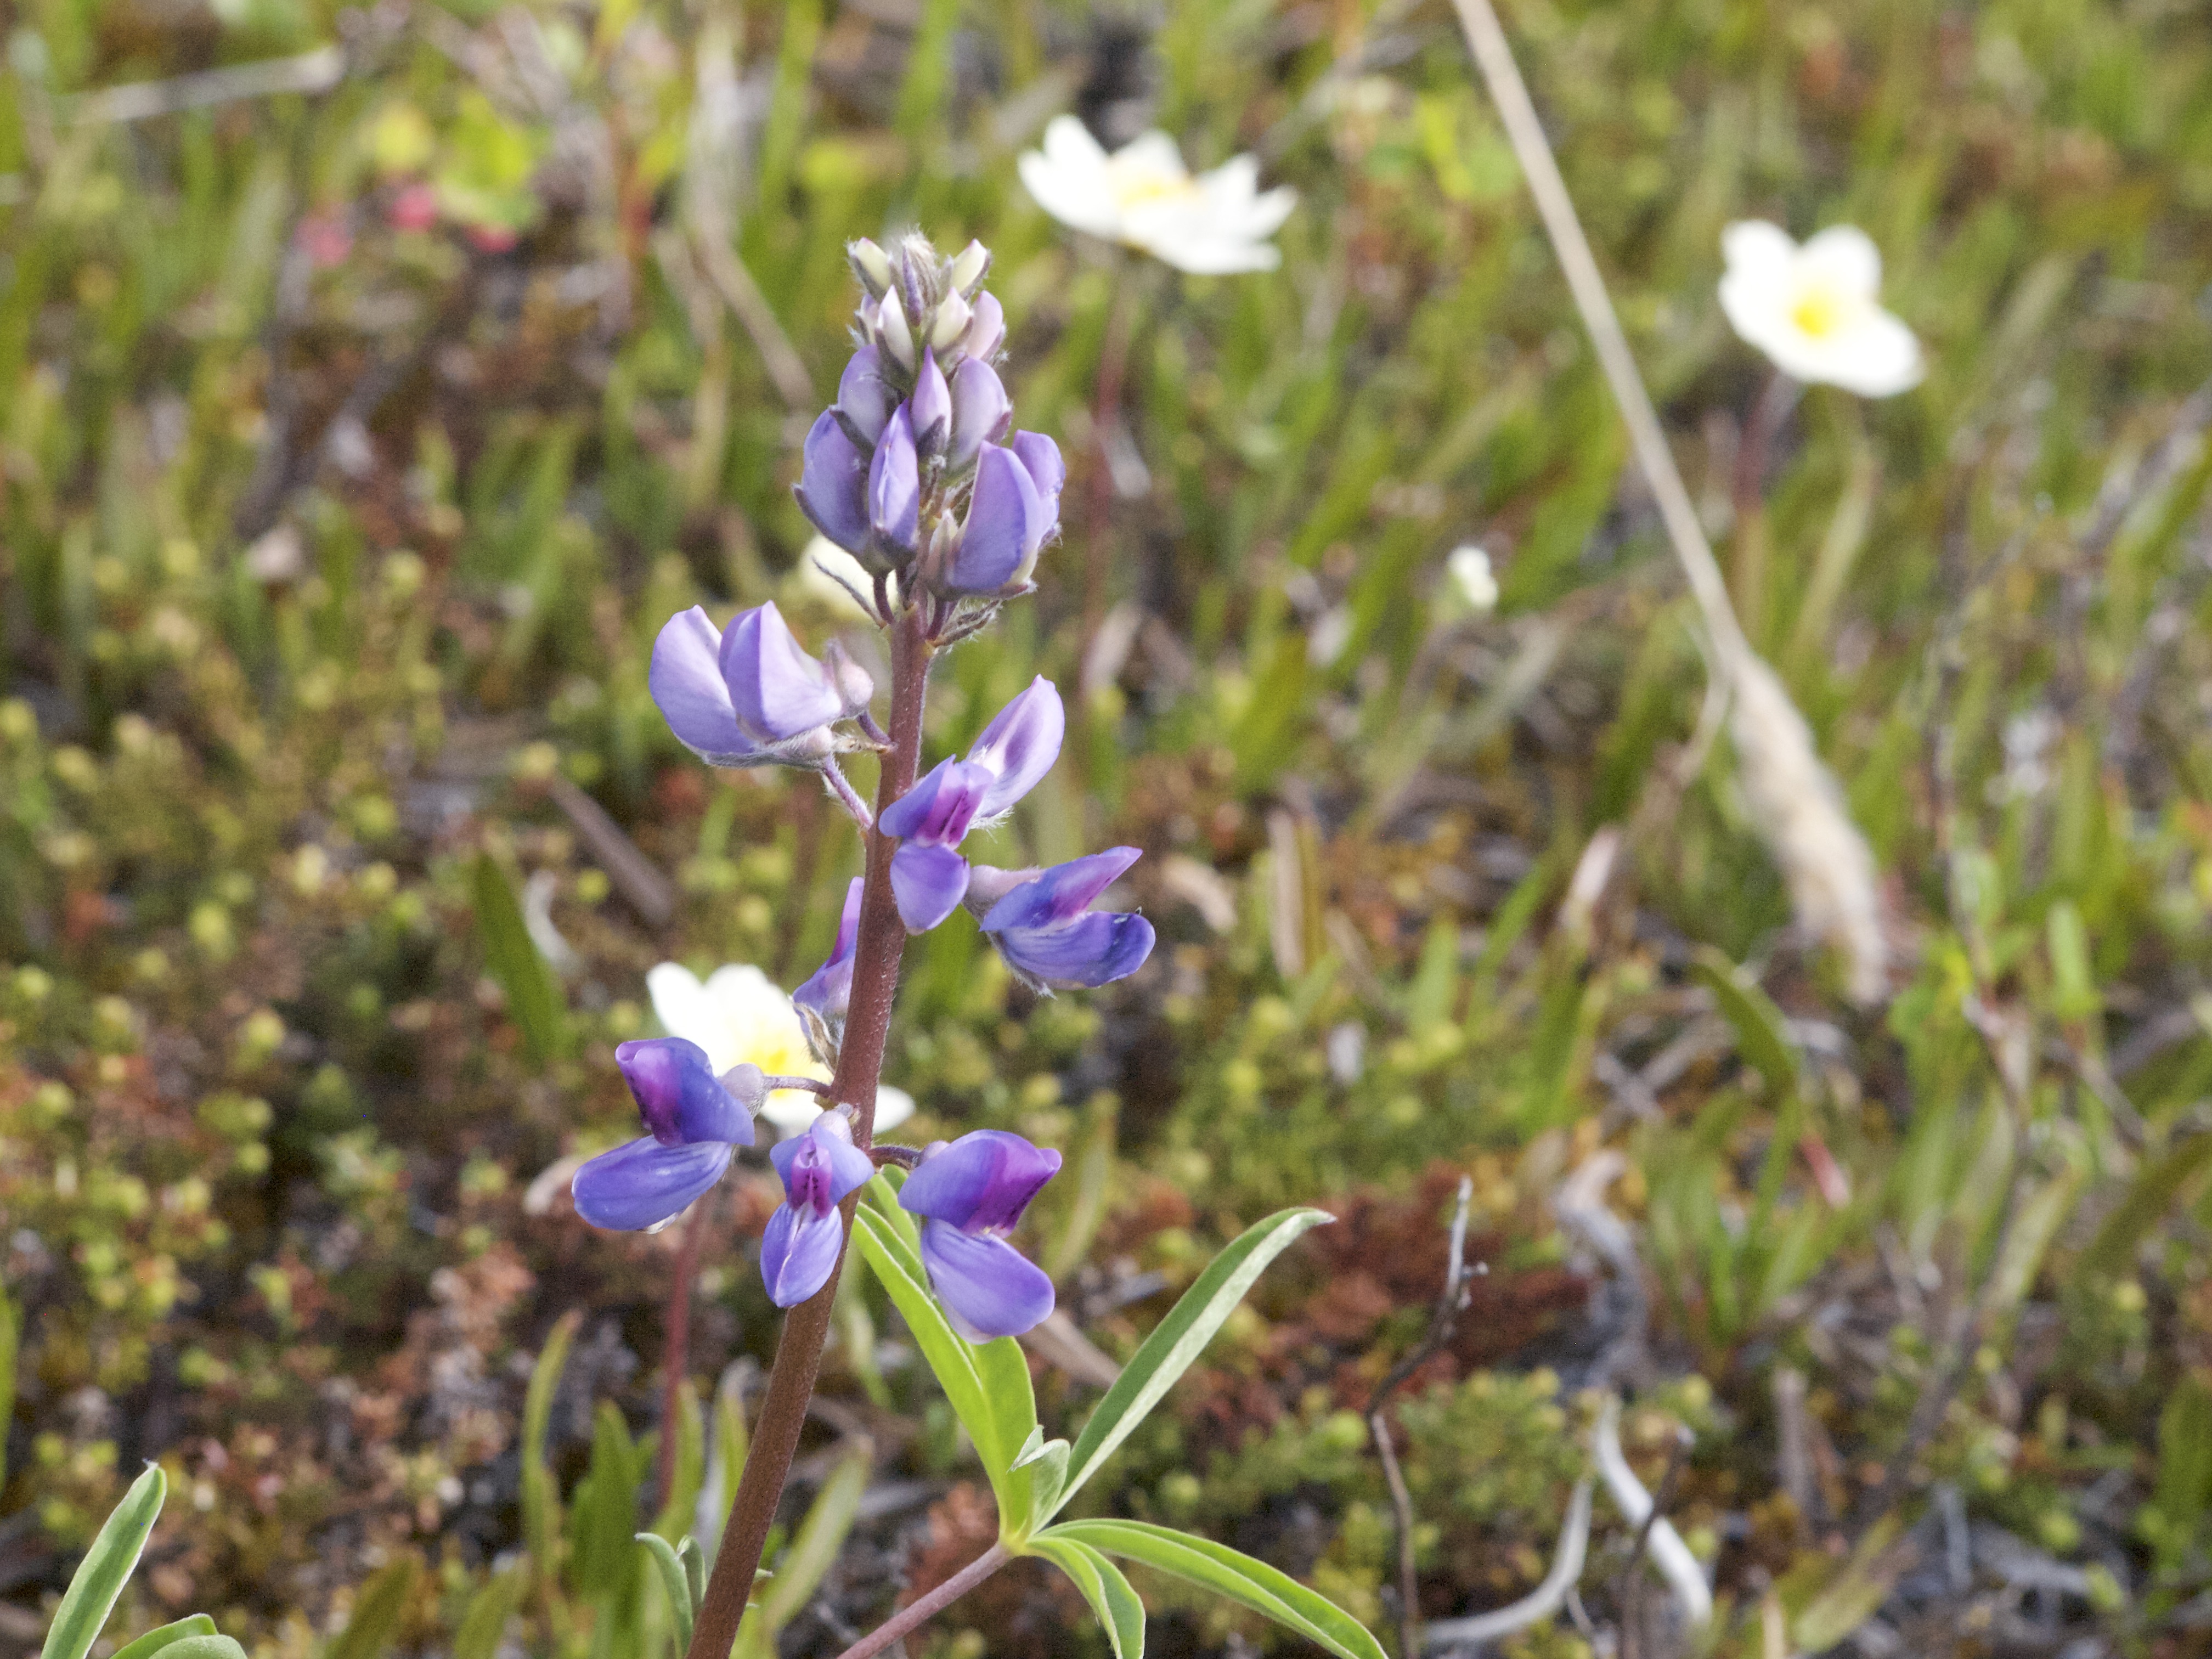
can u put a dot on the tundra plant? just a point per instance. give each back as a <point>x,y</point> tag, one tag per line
<point>915,471</point>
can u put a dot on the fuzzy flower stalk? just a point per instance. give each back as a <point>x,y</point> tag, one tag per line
<point>918,472</point>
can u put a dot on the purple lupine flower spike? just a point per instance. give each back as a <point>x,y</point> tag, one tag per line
<point>822,1001</point>
<point>833,484</point>
<point>799,1251</point>
<point>686,681</point>
<point>779,692</point>
<point>970,1194</point>
<point>894,488</point>
<point>1014,511</point>
<point>696,1122</point>
<point>1050,938</point>
<point>928,876</point>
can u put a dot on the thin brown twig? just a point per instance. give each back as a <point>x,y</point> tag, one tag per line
<point>676,1350</point>
<point>923,1606</point>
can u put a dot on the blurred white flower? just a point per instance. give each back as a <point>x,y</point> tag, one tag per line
<point>1469,568</point>
<point>739,1016</point>
<point>1814,309</point>
<point>829,574</point>
<point>1143,195</point>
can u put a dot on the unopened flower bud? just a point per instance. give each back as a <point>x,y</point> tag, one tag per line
<point>854,685</point>
<point>747,1083</point>
<point>969,267</point>
<point>930,409</point>
<point>953,316</point>
<point>870,263</point>
<point>892,332</point>
<point>987,331</point>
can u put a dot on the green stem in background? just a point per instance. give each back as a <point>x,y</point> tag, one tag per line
<point>923,1606</point>
<point>1749,488</point>
<point>877,950</point>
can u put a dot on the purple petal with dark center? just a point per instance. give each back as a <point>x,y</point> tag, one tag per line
<point>1019,745</point>
<point>1089,952</point>
<point>819,1167</point>
<point>799,1252</point>
<point>643,1183</point>
<point>895,485</point>
<point>938,809</point>
<point>778,690</point>
<point>984,1179</point>
<point>929,411</point>
<point>1005,526</point>
<point>979,411</point>
<point>679,1094</point>
<point>1040,459</point>
<point>1061,892</point>
<point>686,683</point>
<point>928,881</point>
<point>833,484</point>
<point>865,399</point>
<point>989,1289</point>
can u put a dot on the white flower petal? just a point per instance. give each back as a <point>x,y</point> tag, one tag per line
<point>1845,258</point>
<point>1149,154</point>
<point>1076,195</point>
<point>1878,359</point>
<point>1757,249</point>
<point>681,1004</point>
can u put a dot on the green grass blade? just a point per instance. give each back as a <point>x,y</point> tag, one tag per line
<point>1226,1573</point>
<point>376,1615</point>
<point>489,1610</point>
<point>673,1583</point>
<point>541,1497</point>
<point>1179,1339</point>
<point>533,996</point>
<point>154,1641</point>
<point>1121,1613</point>
<point>11,1337</point>
<point>106,1567</point>
<point>821,1535</point>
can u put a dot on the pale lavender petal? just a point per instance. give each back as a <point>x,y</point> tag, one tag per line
<point>986,329</point>
<point>1090,952</point>
<point>1040,457</point>
<point>979,411</point>
<point>778,690</point>
<point>865,399</point>
<point>929,411</point>
<point>686,681</point>
<point>988,1288</point>
<point>1019,745</point>
<point>643,1183</point>
<point>895,486</point>
<point>928,881</point>
<point>679,1094</point>
<point>1004,526</point>
<point>833,484</point>
<point>984,1179</point>
<point>822,999</point>
<point>799,1252</point>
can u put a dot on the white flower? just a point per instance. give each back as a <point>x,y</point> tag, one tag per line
<point>1812,309</point>
<point>1143,195</point>
<point>817,577</point>
<point>1469,568</point>
<point>739,1017</point>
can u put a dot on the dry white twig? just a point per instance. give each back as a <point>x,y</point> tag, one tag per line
<point>1669,1552</point>
<point>1539,1603</point>
<point>1799,809</point>
<point>310,71</point>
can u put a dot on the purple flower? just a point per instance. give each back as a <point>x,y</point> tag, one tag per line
<point>865,399</point>
<point>929,411</point>
<point>799,1251</point>
<point>832,487</point>
<point>751,696</point>
<point>894,488</point>
<point>822,1001</point>
<point>1015,508</point>
<point>1048,935</point>
<point>929,877</point>
<point>696,1121</point>
<point>987,329</point>
<point>970,1193</point>
<point>979,412</point>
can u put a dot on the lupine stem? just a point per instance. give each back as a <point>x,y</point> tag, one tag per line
<point>923,1606</point>
<point>877,949</point>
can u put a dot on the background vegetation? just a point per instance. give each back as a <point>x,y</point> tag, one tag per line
<point>354,441</point>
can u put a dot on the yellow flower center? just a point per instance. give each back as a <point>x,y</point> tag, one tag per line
<point>1819,312</point>
<point>1142,186</point>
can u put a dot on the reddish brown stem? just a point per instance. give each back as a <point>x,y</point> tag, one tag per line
<point>881,940</point>
<point>1106,411</point>
<point>923,1606</point>
<point>675,1359</point>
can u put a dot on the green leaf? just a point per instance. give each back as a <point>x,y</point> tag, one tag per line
<point>540,1496</point>
<point>2111,1253</point>
<point>1119,1611</point>
<point>821,1535</point>
<point>961,1367</point>
<point>881,1195</point>
<point>1226,1573</point>
<point>1761,1037</point>
<point>691,1466</point>
<point>1046,1459</point>
<point>106,1567</point>
<point>675,1583</point>
<point>489,1610</point>
<point>205,1646</point>
<point>1178,1340</point>
<point>533,996</point>
<point>604,1517</point>
<point>11,1336</point>
<point>154,1641</point>
<point>376,1615</point>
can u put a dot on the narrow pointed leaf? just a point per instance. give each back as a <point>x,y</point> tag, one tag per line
<point>1179,1339</point>
<point>821,1535</point>
<point>376,1615</point>
<point>533,995</point>
<point>154,1641</point>
<point>674,1583</point>
<point>1120,1612</point>
<point>1227,1572</point>
<point>540,1496</point>
<point>106,1567</point>
<point>489,1610</point>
